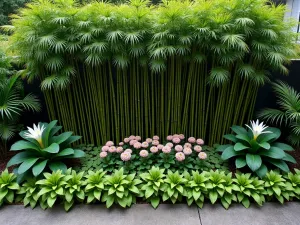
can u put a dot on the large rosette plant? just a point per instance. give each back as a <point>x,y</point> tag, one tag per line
<point>43,149</point>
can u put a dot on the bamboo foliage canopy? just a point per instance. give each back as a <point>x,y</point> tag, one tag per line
<point>190,67</point>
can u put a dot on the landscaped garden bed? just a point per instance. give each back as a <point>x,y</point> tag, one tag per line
<point>182,76</point>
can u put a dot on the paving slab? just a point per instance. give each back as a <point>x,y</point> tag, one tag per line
<point>268,214</point>
<point>142,214</point>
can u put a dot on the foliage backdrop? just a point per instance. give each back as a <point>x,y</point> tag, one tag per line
<point>108,71</point>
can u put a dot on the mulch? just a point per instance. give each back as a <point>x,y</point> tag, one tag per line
<point>296,155</point>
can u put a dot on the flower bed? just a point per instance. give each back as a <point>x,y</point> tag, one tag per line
<point>154,187</point>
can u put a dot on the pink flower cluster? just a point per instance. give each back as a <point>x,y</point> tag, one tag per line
<point>176,143</point>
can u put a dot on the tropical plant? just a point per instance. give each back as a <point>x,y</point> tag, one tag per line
<point>195,189</point>
<point>152,185</point>
<point>74,188</point>
<point>8,187</point>
<point>43,149</point>
<point>8,7</point>
<point>288,113</point>
<point>173,188</point>
<point>94,185</point>
<point>121,189</point>
<point>161,65</point>
<point>215,185</point>
<point>274,186</point>
<point>257,148</point>
<point>292,186</point>
<point>247,188</point>
<point>28,193</point>
<point>228,197</point>
<point>52,188</point>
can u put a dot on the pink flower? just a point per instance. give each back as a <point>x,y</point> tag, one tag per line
<point>155,142</point>
<point>176,140</point>
<point>125,156</point>
<point>175,136</point>
<point>166,149</point>
<point>187,151</point>
<point>137,145</point>
<point>202,155</point>
<point>128,150</point>
<point>144,153</point>
<point>119,149</point>
<point>200,141</point>
<point>160,147</point>
<point>179,156</point>
<point>170,144</point>
<point>121,143</point>
<point>153,149</point>
<point>109,143</point>
<point>132,142</point>
<point>148,140</point>
<point>197,148</point>
<point>145,144</point>
<point>178,148</point>
<point>138,138</point>
<point>187,145</point>
<point>132,137</point>
<point>192,140</point>
<point>181,136</point>
<point>105,148</point>
<point>112,149</point>
<point>155,138</point>
<point>126,140</point>
<point>169,138</point>
<point>103,154</point>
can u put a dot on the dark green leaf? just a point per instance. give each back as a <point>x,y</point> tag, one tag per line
<point>253,161</point>
<point>19,158</point>
<point>228,153</point>
<point>38,168</point>
<point>54,166</point>
<point>280,164</point>
<point>23,145</point>
<point>239,146</point>
<point>289,158</point>
<point>273,152</point>
<point>53,148</point>
<point>262,171</point>
<point>283,146</point>
<point>26,165</point>
<point>240,162</point>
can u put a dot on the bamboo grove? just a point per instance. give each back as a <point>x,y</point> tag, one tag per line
<point>108,71</point>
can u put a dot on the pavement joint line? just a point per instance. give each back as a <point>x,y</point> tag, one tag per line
<point>199,215</point>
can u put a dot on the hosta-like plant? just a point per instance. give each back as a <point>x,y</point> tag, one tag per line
<point>257,148</point>
<point>51,189</point>
<point>173,187</point>
<point>228,196</point>
<point>28,193</point>
<point>247,188</point>
<point>43,149</point>
<point>215,185</point>
<point>152,185</point>
<point>74,189</point>
<point>8,187</point>
<point>121,189</point>
<point>195,189</point>
<point>292,186</point>
<point>275,186</point>
<point>94,185</point>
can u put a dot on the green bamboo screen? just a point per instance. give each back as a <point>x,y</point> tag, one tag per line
<point>108,71</point>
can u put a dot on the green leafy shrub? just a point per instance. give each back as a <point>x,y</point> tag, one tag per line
<point>215,185</point>
<point>288,113</point>
<point>274,186</point>
<point>94,185</point>
<point>248,189</point>
<point>228,197</point>
<point>257,148</point>
<point>29,193</point>
<point>8,187</point>
<point>121,189</point>
<point>43,148</point>
<point>292,186</point>
<point>52,188</point>
<point>74,188</point>
<point>173,188</point>
<point>152,185</point>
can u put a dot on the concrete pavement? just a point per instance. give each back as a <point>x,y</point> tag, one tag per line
<point>143,214</point>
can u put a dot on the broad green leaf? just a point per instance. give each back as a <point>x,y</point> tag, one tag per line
<point>244,137</point>
<point>221,148</point>
<point>53,148</point>
<point>262,171</point>
<point>239,130</point>
<point>70,140</point>
<point>239,147</point>
<point>23,145</point>
<point>253,161</point>
<point>155,202</point>
<point>27,164</point>
<point>279,163</point>
<point>39,168</point>
<point>275,131</point>
<point>283,146</point>
<point>289,158</point>
<point>228,153</point>
<point>50,201</point>
<point>266,137</point>
<point>65,152</point>
<point>47,131</point>
<point>273,152</point>
<point>240,162</point>
<point>54,166</point>
<point>19,158</point>
<point>213,196</point>
<point>62,137</point>
<point>230,137</point>
<point>264,145</point>
<point>77,154</point>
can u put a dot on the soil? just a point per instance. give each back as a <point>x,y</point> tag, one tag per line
<point>296,155</point>
<point>4,161</point>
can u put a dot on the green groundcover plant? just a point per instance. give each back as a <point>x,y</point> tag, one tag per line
<point>153,186</point>
<point>42,149</point>
<point>134,154</point>
<point>257,148</point>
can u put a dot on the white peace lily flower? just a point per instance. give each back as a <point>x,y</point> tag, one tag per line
<point>36,133</point>
<point>257,128</point>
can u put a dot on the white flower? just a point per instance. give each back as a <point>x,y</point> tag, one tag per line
<point>257,128</point>
<point>36,133</point>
